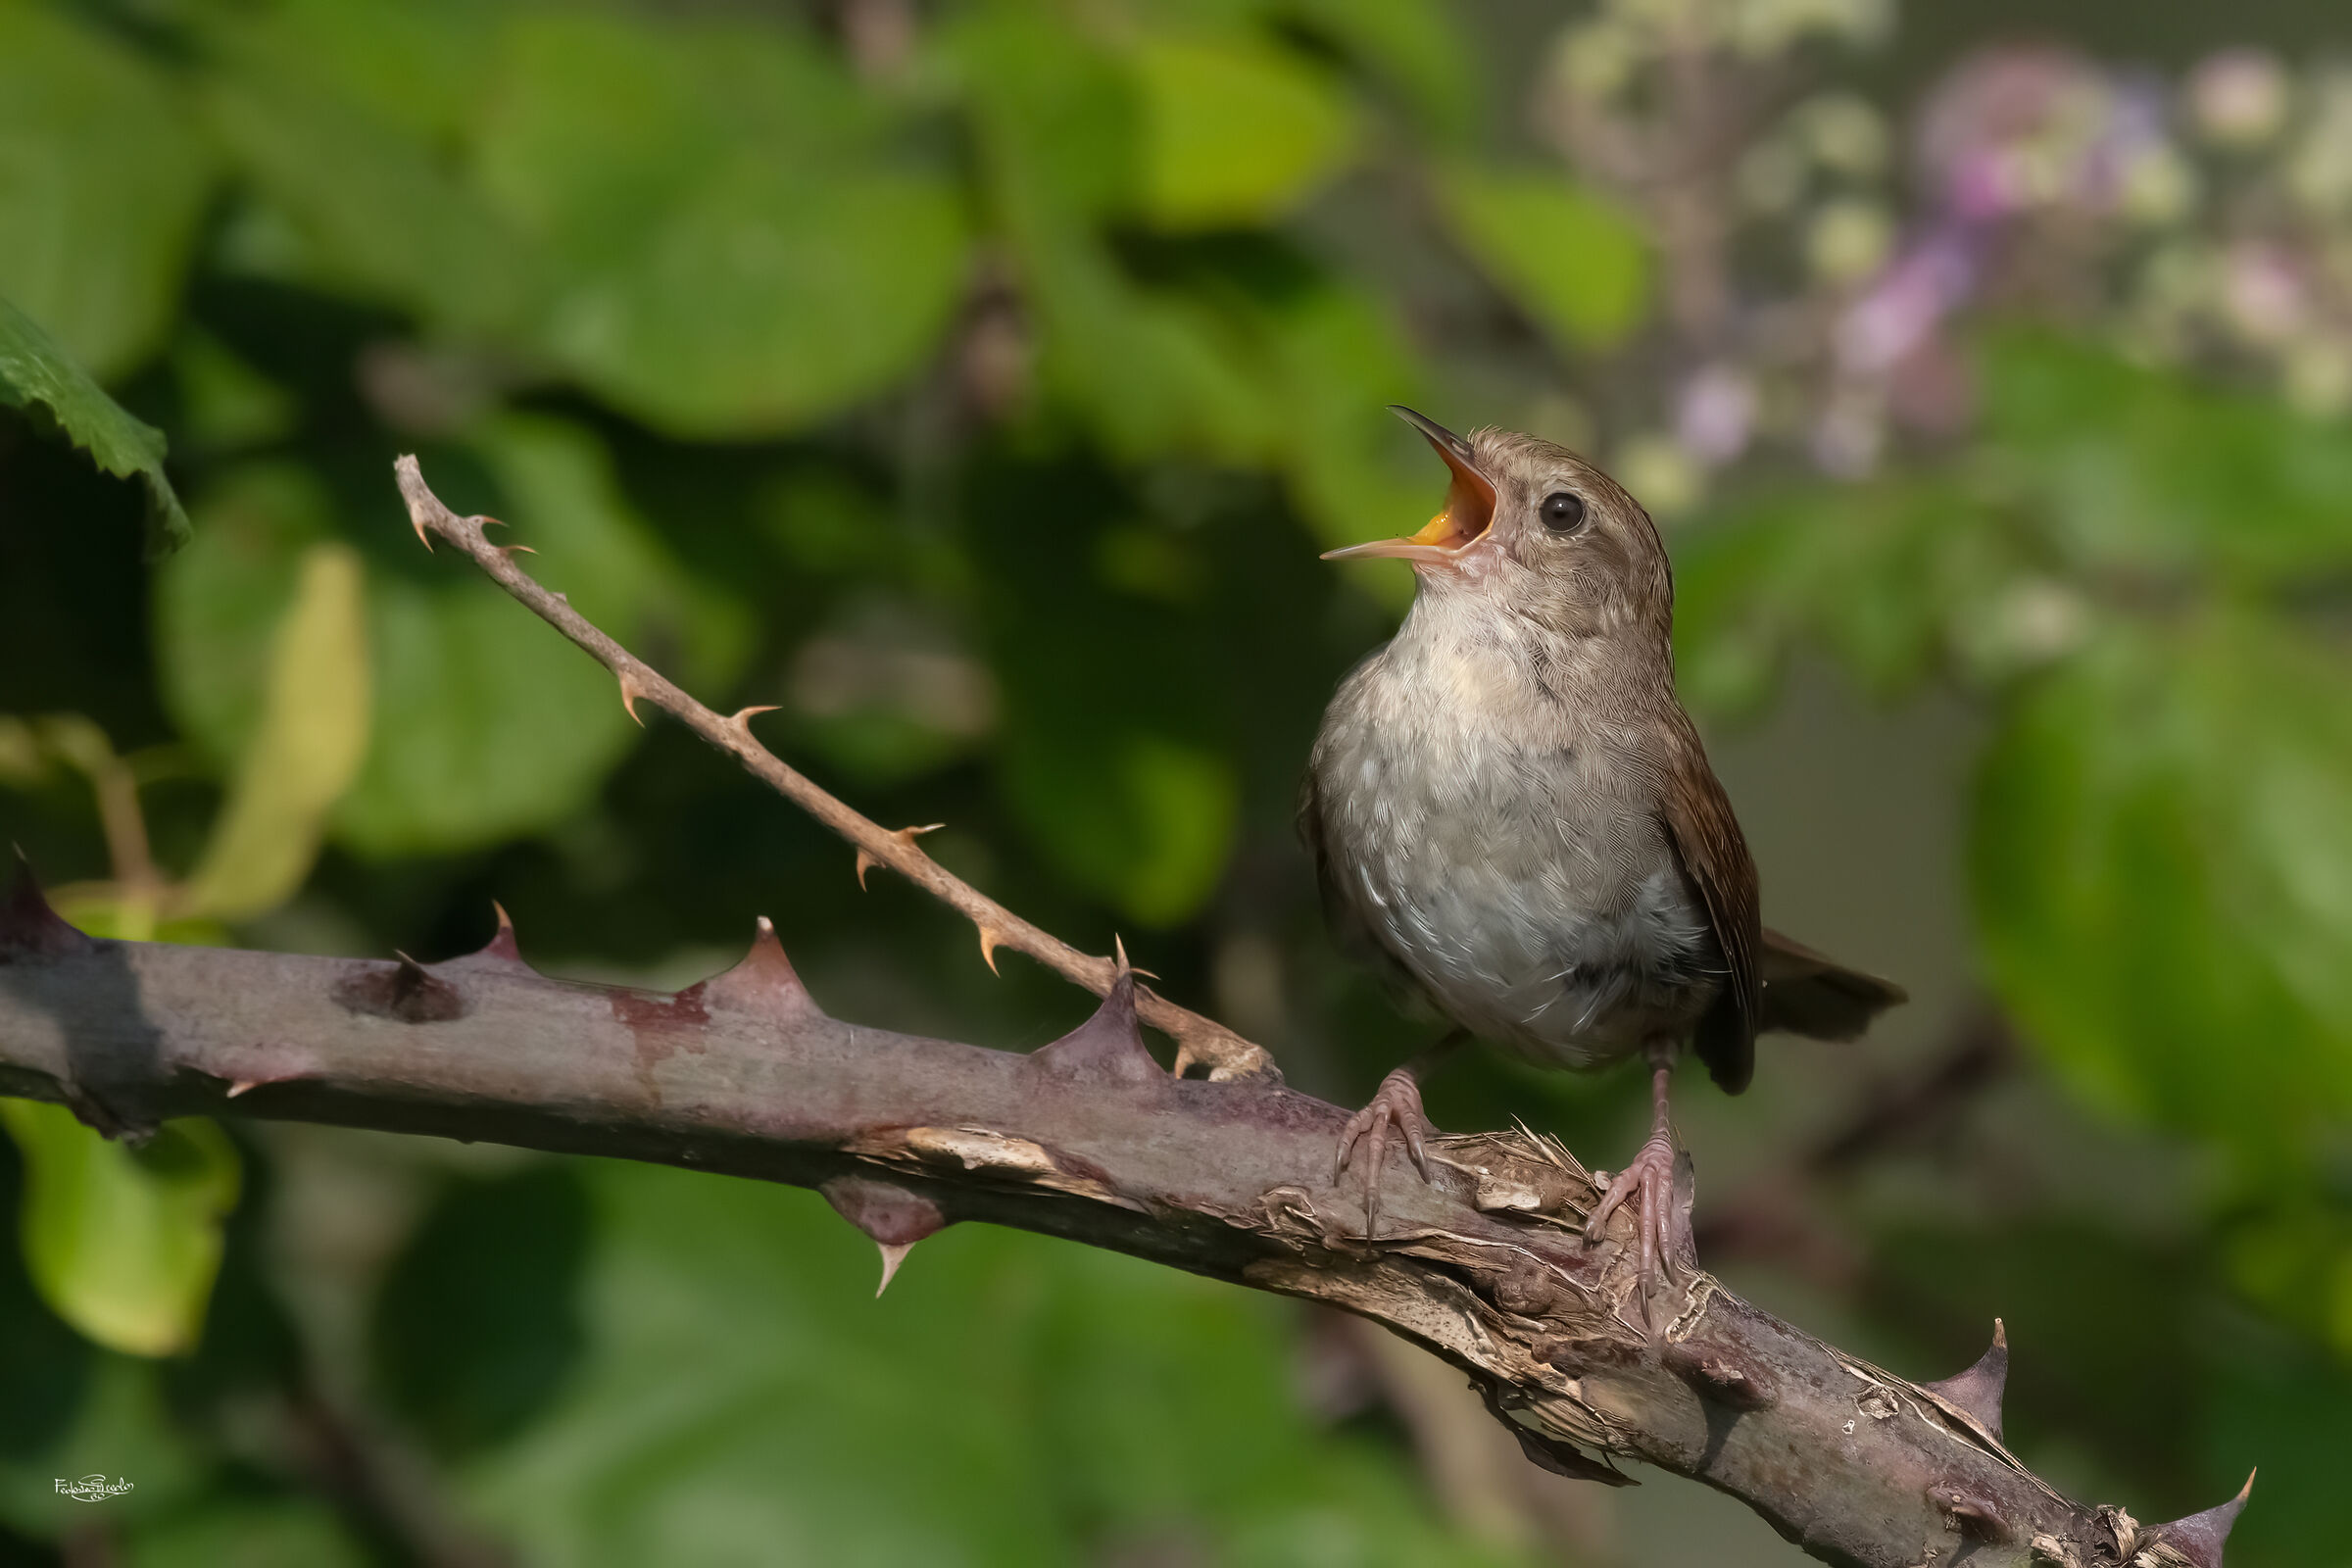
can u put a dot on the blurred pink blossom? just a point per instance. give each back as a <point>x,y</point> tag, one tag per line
<point>1715,415</point>
<point>2239,97</point>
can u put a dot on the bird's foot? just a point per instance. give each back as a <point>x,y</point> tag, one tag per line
<point>1396,1105</point>
<point>1662,1215</point>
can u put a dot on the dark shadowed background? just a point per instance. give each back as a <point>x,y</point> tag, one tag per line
<point>977,381</point>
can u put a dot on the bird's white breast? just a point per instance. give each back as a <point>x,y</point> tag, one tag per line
<point>1504,846</point>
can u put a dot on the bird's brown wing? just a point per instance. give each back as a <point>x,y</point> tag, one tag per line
<point>1714,854</point>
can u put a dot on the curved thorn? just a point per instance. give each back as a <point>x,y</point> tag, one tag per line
<point>2200,1537</point>
<point>988,948</point>
<point>893,1255</point>
<point>1979,1389</point>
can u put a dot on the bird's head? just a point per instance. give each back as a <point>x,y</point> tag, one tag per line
<point>1540,532</point>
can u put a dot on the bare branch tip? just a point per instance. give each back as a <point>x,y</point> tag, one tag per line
<point>419,496</point>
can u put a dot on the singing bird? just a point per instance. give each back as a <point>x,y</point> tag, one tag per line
<point>1513,818</point>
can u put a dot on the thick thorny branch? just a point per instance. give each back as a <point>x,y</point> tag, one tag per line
<point>1197,1039</point>
<point>1085,1137</point>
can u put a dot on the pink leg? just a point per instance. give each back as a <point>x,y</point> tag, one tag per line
<point>1662,1226</point>
<point>1395,1104</point>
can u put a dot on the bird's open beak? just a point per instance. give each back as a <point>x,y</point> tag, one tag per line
<point>1469,506</point>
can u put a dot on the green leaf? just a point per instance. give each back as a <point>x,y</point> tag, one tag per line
<point>102,182</point>
<point>2144,469</point>
<point>1071,1405</point>
<point>374,209</point>
<point>215,601</point>
<point>734,250</point>
<point>478,1323</point>
<point>38,377</point>
<point>1571,259</point>
<point>311,738</point>
<point>1058,123</point>
<point>1144,820</point>
<point>1420,47</point>
<point>2162,870</point>
<point>286,1533</point>
<point>1153,373</point>
<point>225,402</point>
<point>1236,132</point>
<point>485,724</point>
<point>121,1428</point>
<point>1893,576</point>
<point>124,1243</point>
<point>1341,359</point>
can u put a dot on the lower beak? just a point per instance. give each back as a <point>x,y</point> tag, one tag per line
<point>1469,506</point>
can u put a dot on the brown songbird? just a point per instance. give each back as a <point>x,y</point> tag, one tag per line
<point>1514,820</point>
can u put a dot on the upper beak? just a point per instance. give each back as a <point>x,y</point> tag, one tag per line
<point>1469,505</point>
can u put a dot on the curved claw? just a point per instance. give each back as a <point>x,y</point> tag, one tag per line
<point>1395,1105</point>
<point>1650,1176</point>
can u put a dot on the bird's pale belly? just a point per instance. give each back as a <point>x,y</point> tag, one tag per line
<point>1564,987</point>
<point>1550,921</point>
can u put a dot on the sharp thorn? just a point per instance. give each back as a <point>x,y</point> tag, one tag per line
<point>1107,1047</point>
<point>867,858</point>
<point>240,1086</point>
<point>28,923</point>
<point>631,691</point>
<point>892,1217</point>
<point>2200,1537</point>
<point>742,717</point>
<point>763,982</point>
<point>893,1255</point>
<point>514,549</point>
<point>1979,1389</point>
<point>493,522</point>
<point>988,948</point>
<point>502,945</point>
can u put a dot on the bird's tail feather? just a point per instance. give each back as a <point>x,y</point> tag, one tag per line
<point>1811,994</point>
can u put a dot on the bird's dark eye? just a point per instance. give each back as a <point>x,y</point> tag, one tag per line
<point>1563,511</point>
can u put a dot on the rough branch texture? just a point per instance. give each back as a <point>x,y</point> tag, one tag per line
<point>1086,1138</point>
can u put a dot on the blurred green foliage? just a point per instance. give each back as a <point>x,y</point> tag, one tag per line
<point>977,382</point>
